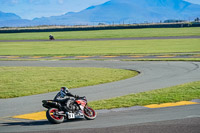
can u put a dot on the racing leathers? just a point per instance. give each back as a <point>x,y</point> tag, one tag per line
<point>64,98</point>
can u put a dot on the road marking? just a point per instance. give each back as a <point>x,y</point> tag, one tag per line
<point>109,56</point>
<point>32,116</point>
<point>82,56</point>
<point>35,57</point>
<point>136,56</point>
<point>165,56</point>
<point>12,57</point>
<point>59,56</point>
<point>196,55</point>
<point>170,104</point>
<point>3,56</point>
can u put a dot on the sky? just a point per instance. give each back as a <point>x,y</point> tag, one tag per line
<point>194,1</point>
<point>29,9</point>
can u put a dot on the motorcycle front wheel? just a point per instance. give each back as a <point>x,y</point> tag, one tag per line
<point>52,116</point>
<point>89,113</point>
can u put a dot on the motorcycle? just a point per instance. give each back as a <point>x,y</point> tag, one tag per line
<point>51,38</point>
<point>76,108</point>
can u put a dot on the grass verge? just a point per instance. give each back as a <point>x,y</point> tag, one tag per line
<point>143,59</point>
<point>78,48</point>
<point>120,33</point>
<point>23,81</point>
<point>164,59</point>
<point>177,93</point>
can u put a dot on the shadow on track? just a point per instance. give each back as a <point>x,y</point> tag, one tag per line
<point>35,123</point>
<point>32,123</point>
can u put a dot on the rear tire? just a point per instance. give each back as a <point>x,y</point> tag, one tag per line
<point>89,113</point>
<point>52,117</point>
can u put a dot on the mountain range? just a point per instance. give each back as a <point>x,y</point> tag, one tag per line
<point>114,12</point>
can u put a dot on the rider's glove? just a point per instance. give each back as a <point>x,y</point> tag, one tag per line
<point>76,96</point>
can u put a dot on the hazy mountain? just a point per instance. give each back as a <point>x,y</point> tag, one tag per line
<point>11,19</point>
<point>126,11</point>
<point>8,16</point>
<point>129,11</point>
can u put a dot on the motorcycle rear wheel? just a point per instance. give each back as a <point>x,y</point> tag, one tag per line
<point>89,113</point>
<point>52,117</point>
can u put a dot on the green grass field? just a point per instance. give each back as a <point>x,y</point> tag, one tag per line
<point>121,33</point>
<point>23,81</point>
<point>178,93</point>
<point>124,47</point>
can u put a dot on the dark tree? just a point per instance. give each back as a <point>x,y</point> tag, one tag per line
<point>196,19</point>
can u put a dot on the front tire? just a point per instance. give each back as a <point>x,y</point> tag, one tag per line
<point>89,113</point>
<point>52,117</point>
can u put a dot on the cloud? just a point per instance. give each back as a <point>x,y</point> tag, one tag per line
<point>38,2</point>
<point>14,1</point>
<point>60,1</point>
<point>194,1</point>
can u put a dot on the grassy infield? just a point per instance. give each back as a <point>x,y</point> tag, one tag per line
<point>125,47</point>
<point>35,80</point>
<point>77,48</point>
<point>183,92</point>
<point>22,81</point>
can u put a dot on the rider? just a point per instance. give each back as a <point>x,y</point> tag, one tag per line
<point>51,37</point>
<point>64,97</point>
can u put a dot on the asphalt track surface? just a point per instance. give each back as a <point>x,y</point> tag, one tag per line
<point>153,75</point>
<point>107,39</point>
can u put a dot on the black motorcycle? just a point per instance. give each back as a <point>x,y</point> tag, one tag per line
<point>76,108</point>
<point>51,37</point>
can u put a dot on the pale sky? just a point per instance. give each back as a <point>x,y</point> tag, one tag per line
<point>194,1</point>
<point>29,9</point>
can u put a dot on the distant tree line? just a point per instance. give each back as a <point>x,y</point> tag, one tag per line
<point>197,19</point>
<point>101,26</point>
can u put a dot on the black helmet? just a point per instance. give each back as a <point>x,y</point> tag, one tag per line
<point>64,89</point>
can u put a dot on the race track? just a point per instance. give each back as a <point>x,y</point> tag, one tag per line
<point>153,75</point>
<point>110,39</point>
